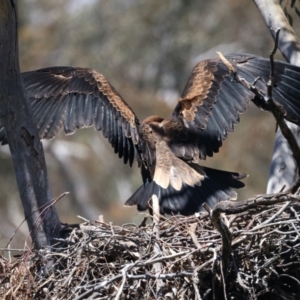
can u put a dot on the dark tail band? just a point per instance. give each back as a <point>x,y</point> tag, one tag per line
<point>216,186</point>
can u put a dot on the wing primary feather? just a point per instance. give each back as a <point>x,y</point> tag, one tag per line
<point>115,133</point>
<point>89,108</point>
<point>111,136</point>
<point>105,128</point>
<point>98,117</point>
<point>43,115</point>
<point>58,118</point>
<point>39,106</point>
<point>130,151</point>
<point>79,110</point>
<point>70,123</point>
<point>49,119</point>
<point>120,142</point>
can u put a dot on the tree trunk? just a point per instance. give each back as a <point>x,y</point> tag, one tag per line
<point>283,166</point>
<point>25,146</point>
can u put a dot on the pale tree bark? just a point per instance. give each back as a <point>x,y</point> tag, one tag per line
<point>283,167</point>
<point>25,146</point>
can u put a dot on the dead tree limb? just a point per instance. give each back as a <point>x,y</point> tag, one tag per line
<point>283,167</point>
<point>25,146</point>
<point>235,207</point>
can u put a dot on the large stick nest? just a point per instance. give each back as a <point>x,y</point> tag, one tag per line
<point>96,260</point>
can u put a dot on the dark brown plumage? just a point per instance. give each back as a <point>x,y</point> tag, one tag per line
<point>167,149</point>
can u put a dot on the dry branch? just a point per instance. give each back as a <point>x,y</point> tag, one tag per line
<point>102,261</point>
<point>283,167</point>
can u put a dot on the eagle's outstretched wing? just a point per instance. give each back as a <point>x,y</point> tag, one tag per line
<point>212,100</point>
<point>70,98</point>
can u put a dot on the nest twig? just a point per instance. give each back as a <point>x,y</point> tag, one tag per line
<point>101,261</point>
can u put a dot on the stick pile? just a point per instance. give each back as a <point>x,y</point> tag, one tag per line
<point>96,260</point>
